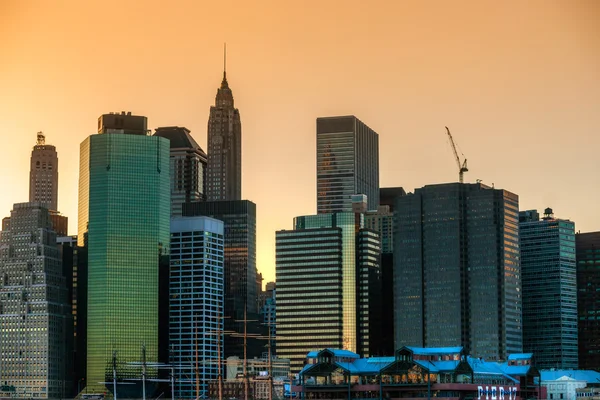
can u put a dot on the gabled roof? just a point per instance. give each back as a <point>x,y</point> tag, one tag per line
<point>335,352</point>
<point>578,375</point>
<point>520,356</point>
<point>434,350</point>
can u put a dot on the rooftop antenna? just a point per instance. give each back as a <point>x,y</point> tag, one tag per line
<point>224,60</point>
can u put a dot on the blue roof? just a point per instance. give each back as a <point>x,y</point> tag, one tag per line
<point>336,353</point>
<point>438,366</point>
<point>434,350</point>
<point>578,375</point>
<point>520,356</point>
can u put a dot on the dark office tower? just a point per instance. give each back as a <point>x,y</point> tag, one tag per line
<point>224,147</point>
<point>382,221</point>
<point>327,273</point>
<point>239,218</point>
<point>35,312</point>
<point>188,167</point>
<point>588,298</point>
<point>347,164</point>
<point>124,208</point>
<point>549,287</point>
<point>457,277</point>
<point>43,174</point>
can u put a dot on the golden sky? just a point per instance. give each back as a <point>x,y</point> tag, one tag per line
<point>517,82</point>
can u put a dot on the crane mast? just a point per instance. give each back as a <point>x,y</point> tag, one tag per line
<point>462,167</point>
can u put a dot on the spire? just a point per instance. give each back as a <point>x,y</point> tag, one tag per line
<point>224,83</point>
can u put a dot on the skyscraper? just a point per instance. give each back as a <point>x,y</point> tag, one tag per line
<point>188,167</point>
<point>347,164</point>
<point>43,174</point>
<point>196,288</point>
<point>239,218</point>
<point>224,147</point>
<point>457,277</point>
<point>549,283</point>
<point>124,208</point>
<point>35,312</point>
<point>588,298</point>
<point>327,284</point>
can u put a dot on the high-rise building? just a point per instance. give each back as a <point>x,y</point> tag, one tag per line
<point>196,288</point>
<point>549,287</point>
<point>382,221</point>
<point>347,164</point>
<point>327,285</point>
<point>239,218</point>
<point>457,277</point>
<point>124,208</point>
<point>43,174</point>
<point>588,298</point>
<point>188,167</point>
<point>224,177</point>
<point>35,312</point>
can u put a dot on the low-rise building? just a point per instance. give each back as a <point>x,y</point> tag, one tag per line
<point>416,372</point>
<point>567,384</point>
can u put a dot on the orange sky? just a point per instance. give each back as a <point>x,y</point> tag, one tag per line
<point>517,82</point>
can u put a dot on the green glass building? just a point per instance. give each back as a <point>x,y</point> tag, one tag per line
<point>124,207</point>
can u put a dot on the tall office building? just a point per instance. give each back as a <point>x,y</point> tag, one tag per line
<point>35,312</point>
<point>457,277</point>
<point>588,298</point>
<point>239,218</point>
<point>549,287</point>
<point>196,288</point>
<point>327,286</point>
<point>188,167</point>
<point>43,174</point>
<point>124,208</point>
<point>382,221</point>
<point>347,164</point>
<point>224,147</point>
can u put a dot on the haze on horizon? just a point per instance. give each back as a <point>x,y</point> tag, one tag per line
<point>518,83</point>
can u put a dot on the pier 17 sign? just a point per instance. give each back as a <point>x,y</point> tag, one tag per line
<point>496,392</point>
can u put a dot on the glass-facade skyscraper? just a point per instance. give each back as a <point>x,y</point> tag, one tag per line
<point>239,218</point>
<point>347,164</point>
<point>457,275</point>
<point>124,209</point>
<point>549,283</point>
<point>35,311</point>
<point>196,289</point>
<point>188,167</point>
<point>327,285</point>
<point>588,298</point>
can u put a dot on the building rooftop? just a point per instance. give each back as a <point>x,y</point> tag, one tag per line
<point>179,136</point>
<point>570,374</point>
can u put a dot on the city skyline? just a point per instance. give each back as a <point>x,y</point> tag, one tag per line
<point>529,76</point>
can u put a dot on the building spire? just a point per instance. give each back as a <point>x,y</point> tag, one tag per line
<point>224,83</point>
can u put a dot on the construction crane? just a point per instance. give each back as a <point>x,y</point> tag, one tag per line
<point>462,167</point>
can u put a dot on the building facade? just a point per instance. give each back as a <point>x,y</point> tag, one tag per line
<point>588,298</point>
<point>196,288</point>
<point>457,277</point>
<point>327,279</point>
<point>188,167</point>
<point>35,311</point>
<point>124,208</point>
<point>239,218</point>
<point>43,174</point>
<point>224,176</point>
<point>347,163</point>
<point>549,287</point>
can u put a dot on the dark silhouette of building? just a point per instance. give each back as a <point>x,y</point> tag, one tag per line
<point>588,298</point>
<point>224,147</point>
<point>347,164</point>
<point>456,269</point>
<point>549,287</point>
<point>188,167</point>
<point>43,174</point>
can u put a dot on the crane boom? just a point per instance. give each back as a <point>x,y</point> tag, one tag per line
<point>462,167</point>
